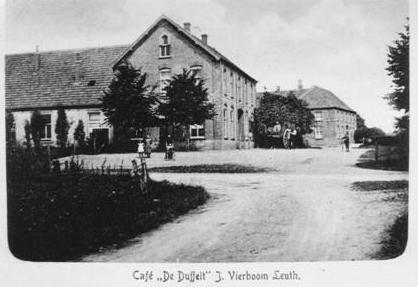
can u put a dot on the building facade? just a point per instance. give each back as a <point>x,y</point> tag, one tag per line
<point>332,117</point>
<point>75,81</point>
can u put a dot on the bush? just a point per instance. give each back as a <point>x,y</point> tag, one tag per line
<point>62,217</point>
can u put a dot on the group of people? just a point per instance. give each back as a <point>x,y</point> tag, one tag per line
<point>288,137</point>
<point>144,147</point>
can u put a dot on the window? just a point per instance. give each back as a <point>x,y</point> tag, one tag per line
<point>165,76</point>
<point>94,117</point>
<point>197,132</point>
<point>318,132</point>
<point>239,95</point>
<point>197,72</point>
<point>232,127</point>
<point>231,84</point>
<point>165,47</point>
<point>46,129</point>
<point>318,116</point>
<point>225,118</point>
<point>225,84</point>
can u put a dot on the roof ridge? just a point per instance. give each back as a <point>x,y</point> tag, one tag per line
<point>68,50</point>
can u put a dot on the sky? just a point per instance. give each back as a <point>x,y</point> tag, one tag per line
<point>340,45</point>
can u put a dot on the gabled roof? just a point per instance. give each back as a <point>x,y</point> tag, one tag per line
<point>317,98</point>
<point>212,52</point>
<point>54,84</point>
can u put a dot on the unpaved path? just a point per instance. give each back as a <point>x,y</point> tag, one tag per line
<point>305,211</point>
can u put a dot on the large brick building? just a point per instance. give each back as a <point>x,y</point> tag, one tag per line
<point>332,117</point>
<point>75,80</point>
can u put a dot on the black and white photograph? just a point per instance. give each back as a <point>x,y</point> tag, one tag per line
<point>207,143</point>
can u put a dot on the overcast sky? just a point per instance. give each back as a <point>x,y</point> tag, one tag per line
<point>340,45</point>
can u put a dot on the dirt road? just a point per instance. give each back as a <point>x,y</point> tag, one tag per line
<point>304,211</point>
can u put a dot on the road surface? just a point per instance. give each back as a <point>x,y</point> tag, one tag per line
<point>305,210</point>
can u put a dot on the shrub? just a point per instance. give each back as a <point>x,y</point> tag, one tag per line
<point>62,217</point>
<point>61,129</point>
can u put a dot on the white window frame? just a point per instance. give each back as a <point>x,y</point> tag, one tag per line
<point>165,48</point>
<point>198,128</point>
<point>46,127</point>
<point>318,132</point>
<point>94,113</point>
<point>197,71</point>
<point>164,80</point>
<point>318,116</point>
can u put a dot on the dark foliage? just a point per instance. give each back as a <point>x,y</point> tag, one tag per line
<point>128,103</point>
<point>187,102</point>
<point>27,134</point>
<point>61,128</point>
<point>10,129</point>
<point>37,124</point>
<point>395,242</point>
<point>79,134</point>
<point>367,134</point>
<point>398,68</point>
<point>360,122</point>
<point>61,217</point>
<point>287,110</point>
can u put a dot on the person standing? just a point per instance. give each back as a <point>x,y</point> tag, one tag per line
<point>292,138</point>
<point>148,143</point>
<point>286,137</point>
<point>346,141</point>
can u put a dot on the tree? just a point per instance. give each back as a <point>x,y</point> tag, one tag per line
<point>285,110</point>
<point>61,128</point>
<point>360,122</point>
<point>367,134</point>
<point>37,125</point>
<point>187,101</point>
<point>128,103</point>
<point>79,134</point>
<point>398,69</point>
<point>27,134</point>
<point>10,129</point>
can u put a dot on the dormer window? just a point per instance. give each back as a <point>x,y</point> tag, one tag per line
<point>165,47</point>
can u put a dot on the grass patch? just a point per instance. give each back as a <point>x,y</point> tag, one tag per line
<point>62,218</point>
<point>210,168</point>
<point>367,160</point>
<point>395,242</point>
<point>380,185</point>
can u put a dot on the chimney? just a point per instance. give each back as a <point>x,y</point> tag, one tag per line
<point>300,85</point>
<point>187,26</point>
<point>205,38</point>
<point>37,59</point>
<point>77,69</point>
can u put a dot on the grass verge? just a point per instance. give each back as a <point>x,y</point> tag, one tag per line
<point>367,160</point>
<point>395,242</point>
<point>396,236</point>
<point>61,219</point>
<point>210,168</point>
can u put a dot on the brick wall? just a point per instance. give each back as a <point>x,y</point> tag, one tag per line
<point>185,55</point>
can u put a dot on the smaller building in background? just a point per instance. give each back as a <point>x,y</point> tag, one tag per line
<point>332,117</point>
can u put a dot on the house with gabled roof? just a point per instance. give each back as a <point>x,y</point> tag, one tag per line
<point>332,117</point>
<point>75,80</point>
